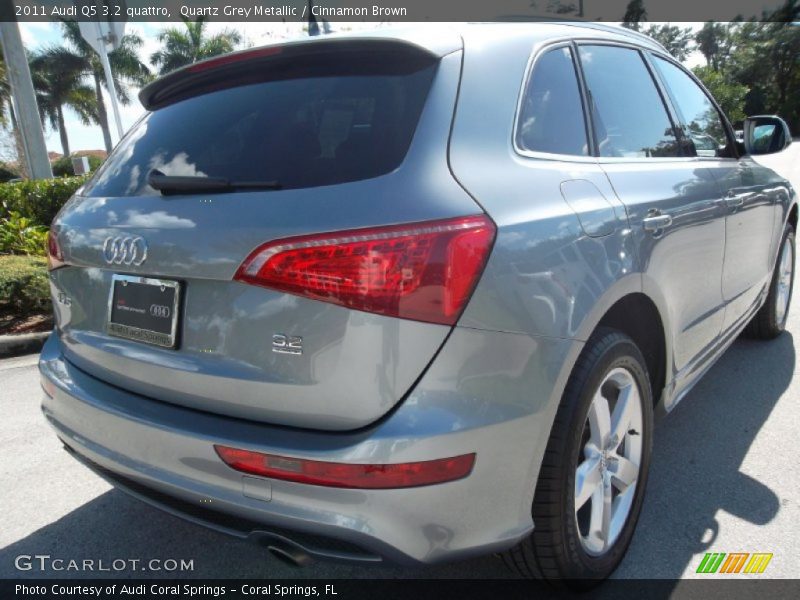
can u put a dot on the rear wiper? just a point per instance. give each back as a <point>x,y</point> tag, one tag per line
<point>188,184</point>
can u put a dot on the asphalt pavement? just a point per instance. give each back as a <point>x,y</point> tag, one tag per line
<point>724,478</point>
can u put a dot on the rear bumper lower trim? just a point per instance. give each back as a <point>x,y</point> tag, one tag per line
<point>164,454</point>
<point>315,546</point>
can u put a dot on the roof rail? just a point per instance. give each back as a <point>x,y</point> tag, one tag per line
<point>618,30</point>
<point>581,22</point>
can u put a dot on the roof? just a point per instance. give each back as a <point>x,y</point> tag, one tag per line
<point>548,27</point>
<point>433,39</point>
<point>437,38</point>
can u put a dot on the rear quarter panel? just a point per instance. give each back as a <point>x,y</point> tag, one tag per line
<point>546,275</point>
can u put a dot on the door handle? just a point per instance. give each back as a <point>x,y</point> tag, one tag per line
<point>734,200</point>
<point>657,222</point>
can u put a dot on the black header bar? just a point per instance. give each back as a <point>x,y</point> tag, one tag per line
<point>384,10</point>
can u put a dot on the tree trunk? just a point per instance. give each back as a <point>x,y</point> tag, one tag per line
<point>22,160</point>
<point>102,115</point>
<point>62,131</point>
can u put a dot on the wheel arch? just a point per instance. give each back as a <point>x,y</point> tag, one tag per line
<point>642,316</point>
<point>638,317</point>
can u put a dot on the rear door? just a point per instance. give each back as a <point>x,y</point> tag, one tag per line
<point>750,213</point>
<point>672,199</point>
<point>320,138</point>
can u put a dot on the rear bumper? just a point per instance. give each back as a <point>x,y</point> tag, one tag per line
<point>163,454</point>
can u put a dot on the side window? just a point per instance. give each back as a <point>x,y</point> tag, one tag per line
<point>630,119</point>
<point>701,122</point>
<point>551,115</point>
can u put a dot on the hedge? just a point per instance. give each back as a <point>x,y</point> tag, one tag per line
<point>24,285</point>
<point>38,199</point>
<point>63,166</point>
<point>7,172</point>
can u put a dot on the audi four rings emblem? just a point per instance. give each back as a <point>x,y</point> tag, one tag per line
<point>125,250</point>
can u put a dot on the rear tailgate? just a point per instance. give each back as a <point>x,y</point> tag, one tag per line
<point>359,144</point>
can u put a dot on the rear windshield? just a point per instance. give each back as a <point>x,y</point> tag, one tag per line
<point>298,131</point>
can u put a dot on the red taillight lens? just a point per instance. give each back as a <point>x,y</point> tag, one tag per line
<point>55,258</point>
<point>422,271</point>
<point>346,475</point>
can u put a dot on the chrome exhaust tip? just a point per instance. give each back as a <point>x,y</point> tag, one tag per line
<point>291,556</point>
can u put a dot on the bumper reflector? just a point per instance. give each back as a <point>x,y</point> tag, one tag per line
<point>48,386</point>
<point>347,475</point>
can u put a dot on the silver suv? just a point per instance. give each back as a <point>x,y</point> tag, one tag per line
<point>413,295</point>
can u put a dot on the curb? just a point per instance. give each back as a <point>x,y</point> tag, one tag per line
<point>24,343</point>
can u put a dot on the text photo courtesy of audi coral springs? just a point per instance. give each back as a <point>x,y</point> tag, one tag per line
<point>381,301</point>
<point>186,590</point>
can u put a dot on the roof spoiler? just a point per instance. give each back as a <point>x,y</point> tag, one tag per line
<point>207,75</point>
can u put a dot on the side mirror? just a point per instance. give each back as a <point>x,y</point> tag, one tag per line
<point>766,134</point>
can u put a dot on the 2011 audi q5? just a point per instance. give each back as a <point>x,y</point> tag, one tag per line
<point>413,295</point>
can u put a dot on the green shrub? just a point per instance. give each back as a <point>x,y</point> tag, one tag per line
<point>63,166</point>
<point>7,173</point>
<point>24,285</point>
<point>20,235</point>
<point>38,199</point>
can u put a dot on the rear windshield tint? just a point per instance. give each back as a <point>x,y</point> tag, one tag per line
<point>305,131</point>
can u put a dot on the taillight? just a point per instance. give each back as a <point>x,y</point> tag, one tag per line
<point>55,258</point>
<point>348,475</point>
<point>421,271</point>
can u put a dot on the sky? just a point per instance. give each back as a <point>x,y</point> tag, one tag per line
<point>89,137</point>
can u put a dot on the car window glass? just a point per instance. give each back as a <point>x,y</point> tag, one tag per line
<point>630,119</point>
<point>301,131</point>
<point>700,120</point>
<point>551,115</point>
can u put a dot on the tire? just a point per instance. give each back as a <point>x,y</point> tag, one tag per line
<point>770,320</point>
<point>561,548</point>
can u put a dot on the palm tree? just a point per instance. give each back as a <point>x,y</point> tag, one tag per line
<point>8,120</point>
<point>126,68</point>
<point>57,79</point>
<point>183,47</point>
<point>6,111</point>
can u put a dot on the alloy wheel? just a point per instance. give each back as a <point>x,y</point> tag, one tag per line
<point>785,272</point>
<point>606,478</point>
